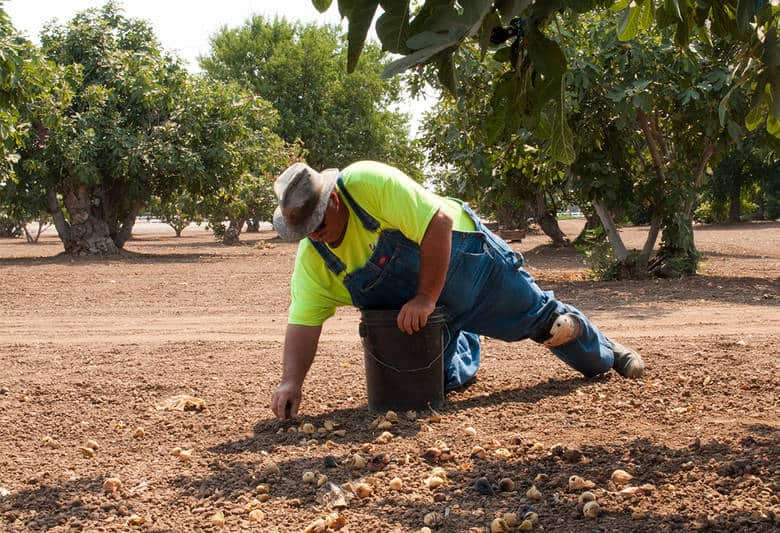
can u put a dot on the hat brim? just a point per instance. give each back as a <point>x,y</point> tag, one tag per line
<point>296,232</point>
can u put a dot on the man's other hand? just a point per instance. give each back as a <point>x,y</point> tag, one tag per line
<point>414,314</point>
<point>286,400</point>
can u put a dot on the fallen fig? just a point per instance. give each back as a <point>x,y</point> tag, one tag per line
<point>434,482</point>
<point>318,526</point>
<point>363,490</point>
<point>619,477</point>
<point>433,519</point>
<point>499,526</point>
<point>533,493</point>
<point>591,509</point>
<point>112,484</point>
<point>218,519</point>
<point>506,485</point>
<point>578,483</point>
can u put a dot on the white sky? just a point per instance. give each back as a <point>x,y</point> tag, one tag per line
<point>184,26</point>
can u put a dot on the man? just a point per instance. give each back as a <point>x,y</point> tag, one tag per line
<point>374,238</point>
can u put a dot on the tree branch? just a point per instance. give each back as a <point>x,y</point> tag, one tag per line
<point>618,248</point>
<point>652,144</point>
<point>53,206</point>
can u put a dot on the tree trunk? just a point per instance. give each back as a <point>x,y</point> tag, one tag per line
<point>735,203</point>
<point>87,235</point>
<point>592,222</point>
<point>618,248</point>
<point>127,225</point>
<point>233,231</point>
<point>60,224</point>
<point>652,236</point>
<point>252,226</point>
<point>548,221</point>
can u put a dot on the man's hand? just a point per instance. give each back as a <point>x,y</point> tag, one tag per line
<point>286,400</point>
<point>300,345</point>
<point>414,314</point>
<point>434,261</point>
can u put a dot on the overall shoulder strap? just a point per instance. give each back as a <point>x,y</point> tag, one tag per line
<point>369,222</point>
<point>333,263</point>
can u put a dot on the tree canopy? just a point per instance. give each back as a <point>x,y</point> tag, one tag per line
<point>339,118</point>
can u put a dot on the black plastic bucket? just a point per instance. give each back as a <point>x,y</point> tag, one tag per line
<point>403,371</point>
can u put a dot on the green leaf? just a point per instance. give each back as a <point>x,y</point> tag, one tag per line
<point>562,142</point>
<point>503,55</point>
<point>417,58</point>
<point>428,39</point>
<point>628,25</point>
<point>735,132</point>
<point>488,23</point>
<point>646,19</point>
<point>545,54</point>
<point>756,115</point>
<point>392,27</point>
<point>672,8</point>
<point>619,5</point>
<point>321,5</point>
<point>360,13</point>
<point>509,9</point>
<point>446,75</point>
<point>773,126</point>
<point>746,10</point>
<point>724,106</point>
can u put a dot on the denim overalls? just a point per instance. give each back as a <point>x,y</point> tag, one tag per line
<point>486,292</point>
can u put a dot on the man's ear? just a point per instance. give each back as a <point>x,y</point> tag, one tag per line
<point>335,198</point>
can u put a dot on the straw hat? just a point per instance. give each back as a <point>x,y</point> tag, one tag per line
<point>303,195</point>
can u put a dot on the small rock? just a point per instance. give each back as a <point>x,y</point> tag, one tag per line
<point>256,515</point>
<point>396,483</point>
<point>470,431</point>
<point>391,416</point>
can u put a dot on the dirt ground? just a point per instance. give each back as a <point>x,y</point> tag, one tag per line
<point>91,347</point>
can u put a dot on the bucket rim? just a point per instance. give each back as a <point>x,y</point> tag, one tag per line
<point>389,316</point>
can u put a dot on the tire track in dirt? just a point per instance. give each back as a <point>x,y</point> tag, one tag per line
<point>626,322</point>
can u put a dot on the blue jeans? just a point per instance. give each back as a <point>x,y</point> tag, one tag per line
<point>487,292</point>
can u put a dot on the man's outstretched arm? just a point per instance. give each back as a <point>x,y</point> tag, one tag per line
<point>434,262</point>
<point>300,346</point>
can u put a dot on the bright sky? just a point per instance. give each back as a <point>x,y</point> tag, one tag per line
<point>184,26</point>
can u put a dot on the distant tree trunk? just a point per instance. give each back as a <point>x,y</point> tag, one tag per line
<point>735,203</point>
<point>233,231</point>
<point>87,235</point>
<point>652,236</point>
<point>592,222</point>
<point>618,248</point>
<point>252,226</point>
<point>548,221</point>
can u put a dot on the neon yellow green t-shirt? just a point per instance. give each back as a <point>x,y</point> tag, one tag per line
<point>397,202</point>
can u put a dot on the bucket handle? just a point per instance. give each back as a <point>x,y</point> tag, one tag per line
<point>391,367</point>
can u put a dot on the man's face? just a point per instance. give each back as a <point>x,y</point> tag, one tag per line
<point>331,229</point>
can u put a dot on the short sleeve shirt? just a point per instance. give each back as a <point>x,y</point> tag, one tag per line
<point>397,202</point>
